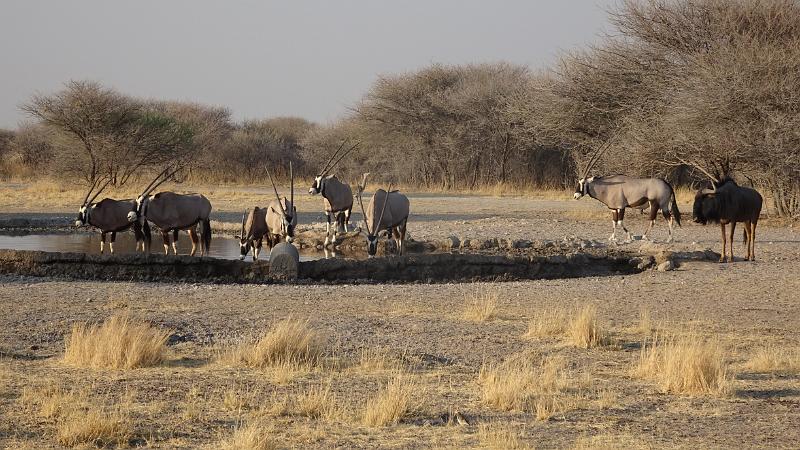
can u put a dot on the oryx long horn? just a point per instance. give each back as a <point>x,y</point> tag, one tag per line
<point>144,192</point>
<point>99,191</point>
<point>333,156</point>
<point>383,209</point>
<point>276,191</point>
<point>91,188</point>
<point>361,204</point>
<point>291,185</point>
<point>165,178</point>
<point>341,157</point>
<point>244,218</point>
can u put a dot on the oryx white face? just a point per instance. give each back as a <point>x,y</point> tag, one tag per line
<point>316,186</point>
<point>244,247</point>
<point>83,216</point>
<point>288,228</point>
<point>582,187</point>
<point>372,245</point>
<point>136,214</point>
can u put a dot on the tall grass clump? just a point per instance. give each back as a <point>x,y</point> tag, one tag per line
<point>774,359</point>
<point>95,427</point>
<point>390,405</point>
<point>500,437</point>
<point>584,329</point>
<point>118,343</point>
<point>522,384</point>
<point>548,323</point>
<point>252,436</point>
<point>289,343</point>
<point>481,307</point>
<point>688,365</point>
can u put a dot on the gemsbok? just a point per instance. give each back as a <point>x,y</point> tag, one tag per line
<point>281,213</point>
<point>173,212</point>
<point>254,228</point>
<point>728,203</point>
<point>338,197</point>
<point>618,192</point>
<point>109,216</point>
<point>387,211</point>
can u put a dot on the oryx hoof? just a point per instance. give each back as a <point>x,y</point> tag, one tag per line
<point>722,260</point>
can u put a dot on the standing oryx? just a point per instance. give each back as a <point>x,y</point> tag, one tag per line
<point>619,192</point>
<point>173,212</point>
<point>254,228</point>
<point>109,215</point>
<point>338,196</point>
<point>282,214</point>
<point>391,216</point>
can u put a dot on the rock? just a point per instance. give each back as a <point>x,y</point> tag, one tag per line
<point>666,266</point>
<point>451,242</point>
<point>284,262</point>
<point>643,263</point>
<point>521,243</point>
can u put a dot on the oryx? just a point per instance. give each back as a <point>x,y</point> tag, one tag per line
<point>619,192</point>
<point>337,195</point>
<point>728,203</point>
<point>173,212</point>
<point>108,215</point>
<point>254,228</point>
<point>281,213</point>
<point>387,210</point>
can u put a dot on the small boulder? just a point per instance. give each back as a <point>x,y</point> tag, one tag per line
<point>666,266</point>
<point>451,242</point>
<point>284,262</point>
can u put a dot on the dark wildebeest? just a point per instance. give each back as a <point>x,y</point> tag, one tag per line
<point>730,203</point>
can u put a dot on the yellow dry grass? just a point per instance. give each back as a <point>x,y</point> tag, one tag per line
<point>686,365</point>
<point>481,307</point>
<point>390,404</point>
<point>316,403</point>
<point>289,344</point>
<point>584,329</point>
<point>500,437</point>
<point>252,436</point>
<point>774,359</point>
<point>521,384</point>
<point>550,322</point>
<point>118,343</point>
<point>97,426</point>
<point>373,360</point>
<point>610,442</point>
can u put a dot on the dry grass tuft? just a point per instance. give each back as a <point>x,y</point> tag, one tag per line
<point>584,330</point>
<point>379,360</point>
<point>610,442</point>
<point>520,384</point>
<point>500,437</point>
<point>481,307</point>
<point>252,436</point>
<point>290,343</point>
<point>316,403</point>
<point>390,405</point>
<point>687,365</point>
<point>548,323</point>
<point>118,343</point>
<point>95,427</point>
<point>774,359</point>
<point>646,325</point>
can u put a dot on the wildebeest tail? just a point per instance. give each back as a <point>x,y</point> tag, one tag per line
<point>206,231</point>
<point>676,213</point>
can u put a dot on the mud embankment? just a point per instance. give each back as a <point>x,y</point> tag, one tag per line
<point>426,268</point>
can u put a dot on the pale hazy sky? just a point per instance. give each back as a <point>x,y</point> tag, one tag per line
<point>266,58</point>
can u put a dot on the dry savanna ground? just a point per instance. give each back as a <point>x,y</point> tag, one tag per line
<point>704,356</point>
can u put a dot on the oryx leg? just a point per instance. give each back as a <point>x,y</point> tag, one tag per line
<point>401,232</point>
<point>195,239</point>
<point>613,237</point>
<point>175,241</point>
<point>653,214</point>
<point>165,237</point>
<point>111,243</point>
<point>102,242</point>
<point>347,213</point>
<point>730,241</point>
<point>621,217</point>
<point>257,244</point>
<point>327,229</point>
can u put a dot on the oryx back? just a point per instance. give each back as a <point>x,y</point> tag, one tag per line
<point>338,196</point>
<point>171,211</point>
<point>111,215</point>
<point>397,210</point>
<point>256,224</point>
<point>620,191</point>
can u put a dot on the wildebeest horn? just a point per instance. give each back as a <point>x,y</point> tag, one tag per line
<point>708,191</point>
<point>383,209</point>
<point>341,157</point>
<point>274,188</point>
<point>244,215</point>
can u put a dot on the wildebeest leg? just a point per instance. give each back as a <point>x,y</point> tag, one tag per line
<point>194,238</point>
<point>746,240</point>
<point>620,219</point>
<point>165,236</point>
<point>111,244</point>
<point>724,248</point>
<point>102,242</point>
<point>753,240</point>
<point>730,241</point>
<point>327,230</point>
<point>175,241</point>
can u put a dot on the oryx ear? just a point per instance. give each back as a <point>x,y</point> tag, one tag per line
<point>590,179</point>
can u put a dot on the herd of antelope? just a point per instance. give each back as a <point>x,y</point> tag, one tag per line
<point>723,202</point>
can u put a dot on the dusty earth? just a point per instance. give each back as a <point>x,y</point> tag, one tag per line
<point>195,399</point>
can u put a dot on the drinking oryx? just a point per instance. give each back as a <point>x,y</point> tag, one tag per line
<point>338,197</point>
<point>282,214</point>
<point>108,215</point>
<point>391,216</point>
<point>726,202</point>
<point>173,212</point>
<point>619,192</point>
<point>254,228</point>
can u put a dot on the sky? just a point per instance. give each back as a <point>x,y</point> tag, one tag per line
<point>311,59</point>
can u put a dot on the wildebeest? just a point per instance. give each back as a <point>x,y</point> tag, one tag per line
<point>337,195</point>
<point>729,203</point>
<point>254,228</point>
<point>281,213</point>
<point>173,212</point>
<point>387,210</point>
<point>109,216</point>
<point>618,192</point>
